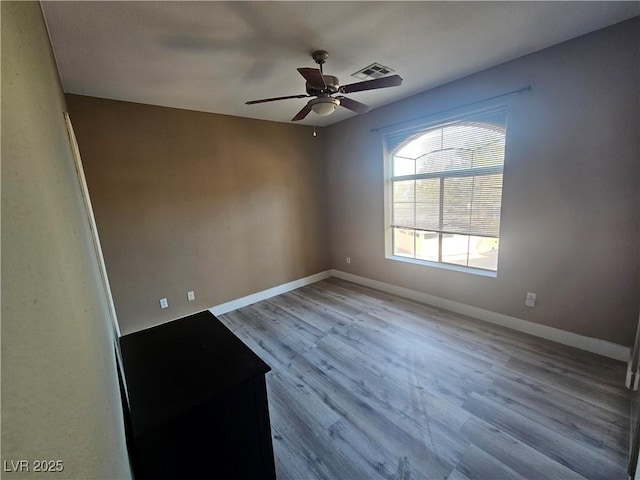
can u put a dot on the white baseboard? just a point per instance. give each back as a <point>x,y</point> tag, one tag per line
<point>268,293</point>
<point>633,380</point>
<point>594,345</point>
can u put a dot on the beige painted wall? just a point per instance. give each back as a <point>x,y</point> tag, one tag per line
<point>60,396</point>
<point>184,200</point>
<point>570,199</point>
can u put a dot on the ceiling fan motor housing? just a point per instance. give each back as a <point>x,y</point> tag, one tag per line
<point>332,85</point>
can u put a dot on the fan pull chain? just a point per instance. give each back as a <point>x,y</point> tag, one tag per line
<point>314,125</point>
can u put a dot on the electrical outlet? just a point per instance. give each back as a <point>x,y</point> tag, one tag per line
<point>164,303</point>
<point>190,295</point>
<point>530,301</point>
<point>348,259</point>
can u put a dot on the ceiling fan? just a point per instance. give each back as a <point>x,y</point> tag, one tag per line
<point>323,87</point>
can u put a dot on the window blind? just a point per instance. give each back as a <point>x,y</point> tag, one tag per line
<point>448,178</point>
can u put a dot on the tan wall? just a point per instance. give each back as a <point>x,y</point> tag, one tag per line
<point>185,200</point>
<point>570,200</point>
<point>60,396</point>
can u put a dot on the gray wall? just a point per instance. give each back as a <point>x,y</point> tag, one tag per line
<point>185,200</point>
<point>60,396</point>
<point>571,188</point>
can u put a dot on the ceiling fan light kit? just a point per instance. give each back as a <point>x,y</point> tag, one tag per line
<point>324,106</point>
<point>324,86</point>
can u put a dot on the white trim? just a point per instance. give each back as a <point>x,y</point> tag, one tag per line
<point>593,345</point>
<point>444,266</point>
<point>268,293</point>
<point>97,247</point>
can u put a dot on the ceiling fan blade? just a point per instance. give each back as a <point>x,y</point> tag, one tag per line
<point>314,77</point>
<point>302,113</point>
<point>382,82</point>
<point>353,105</point>
<point>253,102</point>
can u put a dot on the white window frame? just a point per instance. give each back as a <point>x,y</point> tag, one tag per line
<point>388,190</point>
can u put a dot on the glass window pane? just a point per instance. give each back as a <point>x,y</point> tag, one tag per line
<point>427,245</point>
<point>404,214</point>
<point>444,161</point>
<point>404,242</point>
<point>427,216</point>
<point>422,143</point>
<point>456,209</point>
<point>489,155</point>
<point>403,166</point>
<point>404,208</point>
<point>404,191</point>
<point>428,190</point>
<point>428,204</point>
<point>455,249</point>
<point>475,132</point>
<point>483,252</point>
<point>485,205</point>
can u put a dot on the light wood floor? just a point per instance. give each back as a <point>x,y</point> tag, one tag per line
<point>367,385</point>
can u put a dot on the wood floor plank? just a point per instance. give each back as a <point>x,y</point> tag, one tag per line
<point>368,385</point>
<point>615,402</point>
<point>388,431</point>
<point>567,416</point>
<point>479,464</point>
<point>295,403</point>
<point>455,341</point>
<point>313,457</point>
<point>393,391</point>
<point>307,312</point>
<point>577,456</point>
<point>561,398</point>
<point>290,459</point>
<point>434,363</point>
<point>458,475</point>
<point>416,411</point>
<point>520,457</point>
<point>332,301</point>
<point>377,458</point>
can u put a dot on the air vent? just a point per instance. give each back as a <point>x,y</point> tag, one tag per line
<point>375,70</point>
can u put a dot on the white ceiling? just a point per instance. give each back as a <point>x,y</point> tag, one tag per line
<point>214,56</point>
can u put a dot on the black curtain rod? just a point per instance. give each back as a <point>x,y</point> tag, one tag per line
<point>519,92</point>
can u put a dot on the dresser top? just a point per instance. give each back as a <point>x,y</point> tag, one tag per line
<point>172,368</point>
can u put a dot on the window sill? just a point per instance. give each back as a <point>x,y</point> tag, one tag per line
<point>445,266</point>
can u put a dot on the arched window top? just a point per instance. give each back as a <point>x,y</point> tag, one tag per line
<point>458,136</point>
<point>463,145</point>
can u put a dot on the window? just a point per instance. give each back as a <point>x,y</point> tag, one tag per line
<point>446,191</point>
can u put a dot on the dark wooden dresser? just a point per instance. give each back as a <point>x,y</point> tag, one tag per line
<point>198,403</point>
